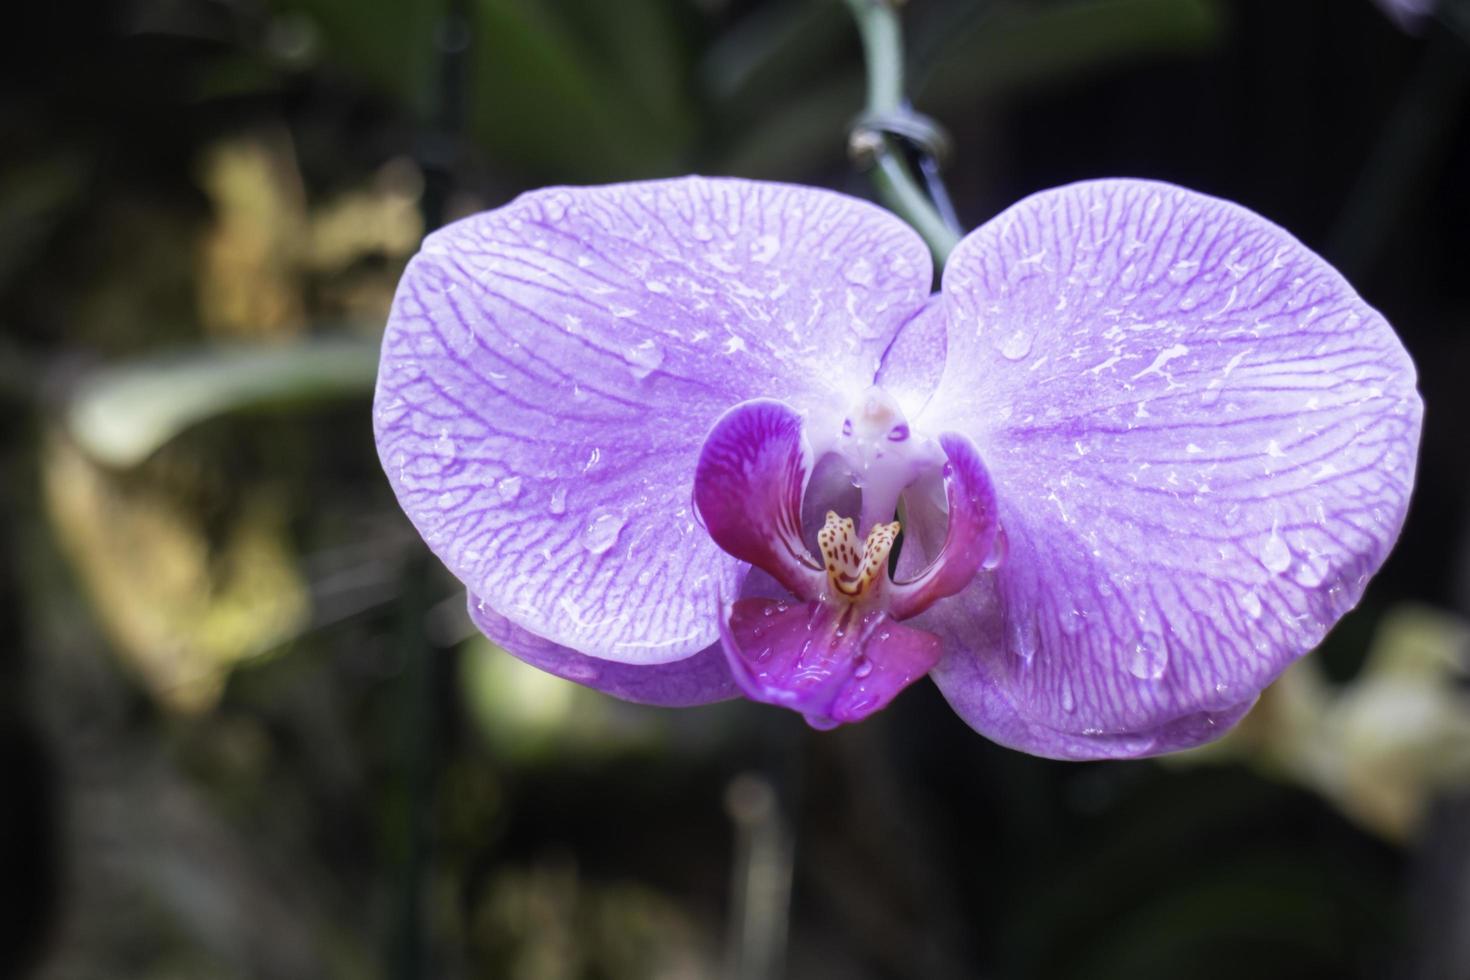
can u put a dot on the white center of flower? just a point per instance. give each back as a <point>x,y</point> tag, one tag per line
<point>883,453</point>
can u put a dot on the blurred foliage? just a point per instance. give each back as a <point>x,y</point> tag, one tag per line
<point>279,752</point>
<point>182,606</point>
<point>124,413</point>
<point>1382,747</point>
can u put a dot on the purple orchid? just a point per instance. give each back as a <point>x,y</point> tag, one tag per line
<point>1144,449</point>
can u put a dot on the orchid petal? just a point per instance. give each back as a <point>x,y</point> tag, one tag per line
<point>550,370</point>
<point>914,362</point>
<point>968,540</point>
<point>748,488</point>
<point>701,678</point>
<point>833,664</point>
<point>1203,443</point>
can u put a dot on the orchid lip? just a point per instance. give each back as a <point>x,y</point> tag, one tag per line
<point>838,653</point>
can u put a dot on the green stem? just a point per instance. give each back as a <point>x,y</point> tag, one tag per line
<point>878,23</point>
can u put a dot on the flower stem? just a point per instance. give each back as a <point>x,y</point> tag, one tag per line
<point>878,23</point>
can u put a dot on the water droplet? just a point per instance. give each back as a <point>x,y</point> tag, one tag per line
<point>1149,658</point>
<point>1023,638</point>
<point>1251,603</point>
<point>558,504</point>
<point>602,531</point>
<point>1016,345</point>
<point>1069,703</point>
<point>765,248</point>
<point>863,669</point>
<point>644,359</point>
<point>859,272</point>
<point>1311,572</point>
<point>998,551</point>
<point>1183,270</point>
<point>509,489</point>
<point>1275,555</point>
<point>1211,394</point>
<point>1071,622</point>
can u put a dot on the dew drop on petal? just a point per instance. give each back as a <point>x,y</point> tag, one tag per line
<point>509,489</point>
<point>1023,639</point>
<point>863,668</point>
<point>558,504</point>
<point>1071,622</point>
<point>1149,658</point>
<point>1183,271</point>
<point>1251,603</point>
<point>998,551</point>
<point>859,272</point>
<point>644,358</point>
<point>1275,555</point>
<point>765,248</point>
<point>1311,572</point>
<point>1016,345</point>
<point>1069,702</point>
<point>602,531</point>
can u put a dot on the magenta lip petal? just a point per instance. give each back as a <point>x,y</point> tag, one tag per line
<point>832,665</point>
<point>967,541</point>
<point>701,678</point>
<point>748,487</point>
<point>1203,444</point>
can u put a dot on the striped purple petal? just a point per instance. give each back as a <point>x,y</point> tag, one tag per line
<point>697,679</point>
<point>1202,442</point>
<point>551,368</point>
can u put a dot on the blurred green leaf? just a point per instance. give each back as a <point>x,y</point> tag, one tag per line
<point>808,131</point>
<point>580,90</point>
<point>391,44</point>
<point>122,414</point>
<point>573,89</point>
<point>777,47</point>
<point>1017,44</point>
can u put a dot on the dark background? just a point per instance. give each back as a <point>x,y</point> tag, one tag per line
<point>245,730</point>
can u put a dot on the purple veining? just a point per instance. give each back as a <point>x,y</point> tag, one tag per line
<point>1149,449</point>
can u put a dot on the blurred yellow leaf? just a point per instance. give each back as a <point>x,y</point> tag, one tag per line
<point>181,608</point>
<point>247,281</point>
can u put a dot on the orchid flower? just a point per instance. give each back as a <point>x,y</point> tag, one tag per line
<point>691,439</point>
